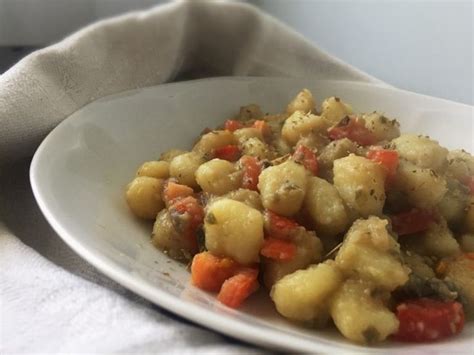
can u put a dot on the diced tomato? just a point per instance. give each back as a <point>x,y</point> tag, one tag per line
<point>278,249</point>
<point>208,272</point>
<point>251,169</point>
<point>228,152</point>
<point>264,128</point>
<point>191,206</point>
<point>278,226</point>
<point>426,320</point>
<point>191,216</point>
<point>412,221</point>
<point>388,159</point>
<point>469,256</point>
<point>306,156</point>
<point>239,287</point>
<point>354,129</point>
<point>232,125</point>
<point>173,190</point>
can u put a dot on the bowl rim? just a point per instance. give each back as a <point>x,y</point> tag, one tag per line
<point>186,309</point>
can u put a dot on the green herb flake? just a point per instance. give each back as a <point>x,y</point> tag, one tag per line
<point>371,335</point>
<point>210,218</point>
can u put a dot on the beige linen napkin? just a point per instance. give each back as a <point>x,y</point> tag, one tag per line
<point>52,301</point>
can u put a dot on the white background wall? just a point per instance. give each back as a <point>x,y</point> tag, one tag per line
<point>420,45</point>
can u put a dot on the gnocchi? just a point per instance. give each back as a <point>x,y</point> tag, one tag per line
<point>360,183</point>
<point>283,187</point>
<point>336,213</point>
<point>144,197</point>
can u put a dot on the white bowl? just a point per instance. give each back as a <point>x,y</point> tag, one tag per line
<point>79,173</point>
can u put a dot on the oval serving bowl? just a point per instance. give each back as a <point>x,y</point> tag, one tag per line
<point>79,173</point>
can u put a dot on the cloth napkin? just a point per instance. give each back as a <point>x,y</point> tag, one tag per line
<point>51,300</point>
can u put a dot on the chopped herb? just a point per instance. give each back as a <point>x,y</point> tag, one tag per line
<point>371,335</point>
<point>289,186</point>
<point>344,122</point>
<point>210,218</point>
<point>201,239</point>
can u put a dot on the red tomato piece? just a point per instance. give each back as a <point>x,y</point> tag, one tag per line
<point>264,128</point>
<point>387,158</point>
<point>191,206</point>
<point>228,152</point>
<point>354,129</point>
<point>239,287</point>
<point>251,168</point>
<point>278,226</point>
<point>190,215</point>
<point>306,156</point>
<point>232,125</point>
<point>208,272</point>
<point>425,320</point>
<point>412,221</point>
<point>173,190</point>
<point>277,249</point>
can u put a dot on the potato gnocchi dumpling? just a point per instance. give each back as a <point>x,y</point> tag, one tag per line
<point>382,127</point>
<point>421,150</point>
<point>156,169</point>
<point>283,187</point>
<point>460,165</point>
<point>302,102</point>
<point>256,148</point>
<point>360,183</point>
<point>334,109</point>
<point>325,207</point>
<point>423,188</point>
<point>144,196</point>
<point>341,218</point>
<point>218,177</point>
<point>183,168</point>
<point>359,315</point>
<point>166,237</point>
<point>301,124</point>
<point>369,252</point>
<point>244,134</point>
<point>437,240</point>
<point>454,203</point>
<point>305,294</point>
<point>249,197</point>
<point>211,141</point>
<point>334,150</point>
<point>234,229</point>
